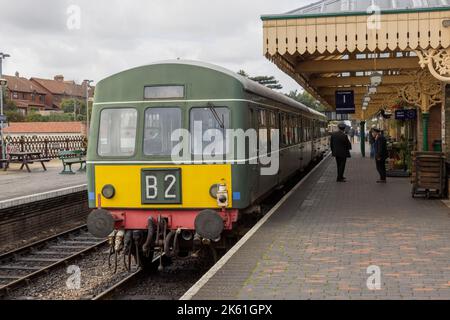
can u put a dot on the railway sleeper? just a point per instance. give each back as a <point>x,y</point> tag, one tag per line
<point>24,268</point>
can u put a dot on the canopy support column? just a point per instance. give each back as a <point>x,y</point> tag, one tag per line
<point>425,125</point>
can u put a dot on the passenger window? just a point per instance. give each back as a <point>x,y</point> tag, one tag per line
<point>272,116</point>
<point>285,130</point>
<point>262,125</point>
<point>117,135</point>
<point>160,123</point>
<point>296,131</point>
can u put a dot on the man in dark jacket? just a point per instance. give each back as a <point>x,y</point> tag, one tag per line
<point>372,144</point>
<point>340,146</point>
<point>381,154</point>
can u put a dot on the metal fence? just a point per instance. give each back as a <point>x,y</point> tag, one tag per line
<point>49,146</point>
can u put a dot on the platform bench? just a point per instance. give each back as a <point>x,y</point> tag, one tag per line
<point>70,158</point>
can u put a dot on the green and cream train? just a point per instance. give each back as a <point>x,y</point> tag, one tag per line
<point>147,202</point>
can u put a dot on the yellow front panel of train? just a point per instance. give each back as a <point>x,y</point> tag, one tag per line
<point>161,187</point>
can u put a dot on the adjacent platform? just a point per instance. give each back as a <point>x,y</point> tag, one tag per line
<point>16,185</point>
<point>321,241</point>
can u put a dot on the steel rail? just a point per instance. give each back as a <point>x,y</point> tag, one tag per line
<point>111,290</point>
<point>12,255</point>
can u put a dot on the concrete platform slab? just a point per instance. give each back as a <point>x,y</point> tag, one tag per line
<point>355,240</point>
<point>18,184</point>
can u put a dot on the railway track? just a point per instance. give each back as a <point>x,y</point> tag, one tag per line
<point>109,292</point>
<point>21,266</point>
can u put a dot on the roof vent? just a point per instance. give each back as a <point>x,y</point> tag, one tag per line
<point>59,78</point>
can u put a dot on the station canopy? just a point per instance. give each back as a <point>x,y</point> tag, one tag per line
<point>335,45</point>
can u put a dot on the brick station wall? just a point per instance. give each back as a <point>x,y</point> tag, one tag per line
<point>28,220</point>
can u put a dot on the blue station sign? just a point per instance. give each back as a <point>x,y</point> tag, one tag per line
<point>406,114</point>
<point>345,102</point>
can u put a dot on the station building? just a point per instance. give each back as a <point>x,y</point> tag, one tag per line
<point>394,55</point>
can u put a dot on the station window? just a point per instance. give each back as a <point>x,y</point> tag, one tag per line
<point>211,121</point>
<point>160,123</point>
<point>117,136</point>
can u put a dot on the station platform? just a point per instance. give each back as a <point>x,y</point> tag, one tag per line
<point>19,186</point>
<point>321,241</point>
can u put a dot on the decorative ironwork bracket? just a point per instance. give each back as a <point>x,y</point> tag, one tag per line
<point>438,62</point>
<point>424,92</point>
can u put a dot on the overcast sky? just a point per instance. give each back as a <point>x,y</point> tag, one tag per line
<point>44,39</point>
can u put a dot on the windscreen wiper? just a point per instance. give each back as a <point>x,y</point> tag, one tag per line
<point>213,110</point>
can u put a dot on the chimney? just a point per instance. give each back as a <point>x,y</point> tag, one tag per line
<point>59,78</point>
<point>17,74</point>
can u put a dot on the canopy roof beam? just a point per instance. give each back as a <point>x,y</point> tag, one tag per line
<point>358,65</point>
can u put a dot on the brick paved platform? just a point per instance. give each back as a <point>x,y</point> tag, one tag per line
<point>16,184</point>
<point>320,242</point>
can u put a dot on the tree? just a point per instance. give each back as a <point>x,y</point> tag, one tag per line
<point>307,99</point>
<point>14,116</point>
<point>8,104</point>
<point>268,81</point>
<point>68,105</point>
<point>55,117</point>
<point>243,73</point>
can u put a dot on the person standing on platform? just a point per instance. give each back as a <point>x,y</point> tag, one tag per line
<point>340,147</point>
<point>372,143</point>
<point>352,135</point>
<point>381,154</point>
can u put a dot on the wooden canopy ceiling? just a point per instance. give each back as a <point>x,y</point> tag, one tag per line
<point>328,53</point>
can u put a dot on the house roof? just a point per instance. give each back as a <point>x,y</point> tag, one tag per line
<point>68,88</point>
<point>23,85</point>
<point>348,7</point>
<point>44,127</point>
<point>27,104</point>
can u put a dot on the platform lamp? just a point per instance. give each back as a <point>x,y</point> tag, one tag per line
<point>88,86</point>
<point>376,78</point>
<point>3,83</point>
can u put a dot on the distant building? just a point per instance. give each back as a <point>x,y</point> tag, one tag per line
<point>59,90</point>
<point>41,95</point>
<point>47,129</point>
<point>27,95</point>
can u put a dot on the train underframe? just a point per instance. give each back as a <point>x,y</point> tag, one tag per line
<point>151,239</point>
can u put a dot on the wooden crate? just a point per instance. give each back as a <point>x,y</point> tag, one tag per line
<point>429,174</point>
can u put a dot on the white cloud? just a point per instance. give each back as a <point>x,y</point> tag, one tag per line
<point>117,35</point>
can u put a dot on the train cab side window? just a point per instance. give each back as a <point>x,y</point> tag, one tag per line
<point>160,123</point>
<point>211,121</point>
<point>117,135</point>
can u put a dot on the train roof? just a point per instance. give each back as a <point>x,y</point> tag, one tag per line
<point>248,85</point>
